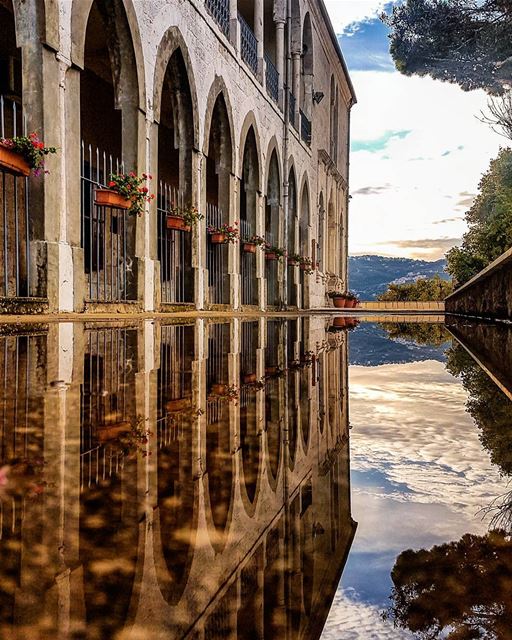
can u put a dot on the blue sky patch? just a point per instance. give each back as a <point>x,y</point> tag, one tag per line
<point>380,143</point>
<point>365,46</point>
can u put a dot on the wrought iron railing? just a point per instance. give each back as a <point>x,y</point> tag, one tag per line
<point>271,271</point>
<point>219,10</point>
<point>248,45</point>
<point>217,261</point>
<point>15,259</point>
<point>271,79</point>
<point>247,266</point>
<point>108,265</point>
<point>174,250</point>
<point>305,127</point>
<point>106,407</point>
<point>292,102</point>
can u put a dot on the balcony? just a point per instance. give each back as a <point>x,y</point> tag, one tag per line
<point>249,45</point>
<point>305,128</point>
<point>219,10</point>
<point>271,79</point>
<point>291,109</point>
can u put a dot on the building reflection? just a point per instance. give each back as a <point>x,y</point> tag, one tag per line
<point>171,481</point>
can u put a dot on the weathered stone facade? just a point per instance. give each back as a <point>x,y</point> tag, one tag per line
<point>222,105</point>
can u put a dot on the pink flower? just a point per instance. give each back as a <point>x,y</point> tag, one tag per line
<point>111,184</point>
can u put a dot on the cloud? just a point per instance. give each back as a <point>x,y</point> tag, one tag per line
<point>380,143</point>
<point>365,46</point>
<point>346,12</point>
<point>446,220</point>
<point>465,203</point>
<point>371,191</point>
<point>424,248</point>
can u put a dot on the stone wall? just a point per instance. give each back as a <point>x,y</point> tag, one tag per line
<point>488,294</point>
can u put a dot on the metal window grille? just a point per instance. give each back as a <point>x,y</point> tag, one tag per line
<point>271,79</point>
<point>216,259</point>
<point>174,251</point>
<point>249,45</point>
<point>15,274</point>
<point>292,102</point>
<point>247,267</point>
<point>108,267</point>
<point>305,127</point>
<point>271,270</point>
<point>174,382</point>
<point>109,373</point>
<point>217,370</point>
<point>219,10</point>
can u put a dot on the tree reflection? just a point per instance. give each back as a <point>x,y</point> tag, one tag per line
<point>459,590</point>
<point>423,333</point>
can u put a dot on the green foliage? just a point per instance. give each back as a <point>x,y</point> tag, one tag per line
<point>423,333</point>
<point>488,406</point>
<point>466,42</point>
<point>458,590</point>
<point>422,290</point>
<point>489,220</point>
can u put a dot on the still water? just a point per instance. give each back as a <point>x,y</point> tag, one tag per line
<point>281,478</point>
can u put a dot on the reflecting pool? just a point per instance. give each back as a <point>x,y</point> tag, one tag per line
<point>194,479</point>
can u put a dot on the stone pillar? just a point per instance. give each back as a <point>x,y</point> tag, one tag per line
<point>296,82</point>
<point>234,25</point>
<point>280,59</point>
<point>258,32</point>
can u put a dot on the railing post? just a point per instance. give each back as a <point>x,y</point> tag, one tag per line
<point>234,25</point>
<point>258,32</point>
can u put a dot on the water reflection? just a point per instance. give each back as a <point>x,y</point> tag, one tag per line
<point>170,481</point>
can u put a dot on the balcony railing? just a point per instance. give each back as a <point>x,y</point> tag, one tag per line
<point>291,109</point>
<point>271,79</point>
<point>219,10</point>
<point>249,45</point>
<point>305,128</point>
<point>247,266</point>
<point>217,261</point>
<point>108,267</point>
<point>14,207</point>
<point>174,250</point>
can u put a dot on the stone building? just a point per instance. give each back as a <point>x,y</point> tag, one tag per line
<point>239,108</point>
<point>229,518</point>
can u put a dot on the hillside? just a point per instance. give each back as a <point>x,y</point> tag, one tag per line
<point>370,275</point>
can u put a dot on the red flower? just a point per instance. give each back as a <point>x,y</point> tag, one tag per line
<point>144,189</point>
<point>111,184</point>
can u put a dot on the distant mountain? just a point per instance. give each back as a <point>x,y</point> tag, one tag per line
<point>370,275</point>
<point>371,346</point>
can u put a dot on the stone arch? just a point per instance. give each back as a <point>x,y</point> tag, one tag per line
<point>321,231</point>
<point>331,232</point>
<point>292,233</point>
<point>273,195</point>
<point>218,91</point>
<point>296,22</point>
<point>79,19</point>
<point>250,123</point>
<point>272,151</point>
<point>172,41</point>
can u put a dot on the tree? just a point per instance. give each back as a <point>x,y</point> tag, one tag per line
<point>459,590</point>
<point>421,290</point>
<point>489,220</point>
<point>422,333</point>
<point>466,42</point>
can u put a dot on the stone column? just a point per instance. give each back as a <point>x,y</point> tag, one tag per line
<point>296,81</point>
<point>234,25</point>
<point>258,32</point>
<point>280,59</point>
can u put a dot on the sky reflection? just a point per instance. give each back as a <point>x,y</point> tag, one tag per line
<point>419,477</point>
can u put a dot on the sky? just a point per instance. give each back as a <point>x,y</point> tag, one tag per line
<point>418,147</point>
<point>413,485</point>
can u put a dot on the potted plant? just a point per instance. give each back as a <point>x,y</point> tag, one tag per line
<point>112,431</point>
<point>306,265</point>
<point>125,191</point>
<point>182,218</point>
<point>22,154</point>
<point>351,300</point>
<point>230,392</point>
<point>249,378</point>
<point>249,245</point>
<point>178,404</point>
<point>338,299</point>
<point>273,252</point>
<point>223,234</point>
<point>294,259</point>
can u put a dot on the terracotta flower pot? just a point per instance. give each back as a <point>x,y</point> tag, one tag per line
<point>219,389</point>
<point>178,404</point>
<point>218,238</point>
<point>249,247</point>
<point>112,431</point>
<point>350,304</point>
<point>339,303</point>
<point>270,255</point>
<point>339,322</point>
<point>292,263</point>
<point>270,371</point>
<point>13,162</point>
<point>304,267</point>
<point>110,198</point>
<point>177,223</point>
<point>249,377</point>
